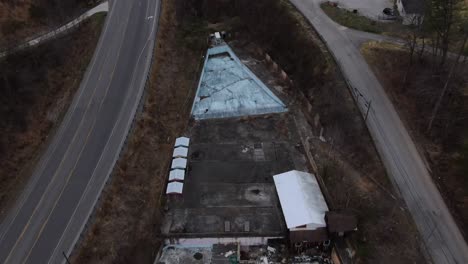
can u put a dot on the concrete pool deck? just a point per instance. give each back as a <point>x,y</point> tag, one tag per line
<point>227,88</point>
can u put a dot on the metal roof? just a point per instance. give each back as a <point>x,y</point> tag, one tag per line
<point>179,163</point>
<point>301,199</point>
<point>182,142</point>
<point>180,152</point>
<point>177,175</point>
<point>175,188</point>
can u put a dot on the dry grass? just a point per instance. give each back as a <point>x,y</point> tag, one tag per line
<point>387,233</point>
<point>126,226</point>
<point>14,23</point>
<point>17,24</point>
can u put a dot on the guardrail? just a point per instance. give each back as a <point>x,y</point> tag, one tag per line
<point>42,37</point>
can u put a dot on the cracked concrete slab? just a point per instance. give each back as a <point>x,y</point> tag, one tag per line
<point>228,88</point>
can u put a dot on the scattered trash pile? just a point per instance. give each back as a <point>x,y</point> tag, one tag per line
<point>275,254</point>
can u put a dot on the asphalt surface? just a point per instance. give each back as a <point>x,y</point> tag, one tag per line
<point>53,210</point>
<point>405,166</point>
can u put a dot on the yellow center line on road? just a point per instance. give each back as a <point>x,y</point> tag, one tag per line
<point>66,154</point>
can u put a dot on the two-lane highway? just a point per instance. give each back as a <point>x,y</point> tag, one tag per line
<point>51,213</point>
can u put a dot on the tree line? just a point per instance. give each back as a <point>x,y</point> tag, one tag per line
<point>442,32</point>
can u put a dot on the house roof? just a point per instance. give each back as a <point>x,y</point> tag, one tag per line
<point>177,175</point>
<point>301,199</point>
<point>413,6</point>
<point>175,188</point>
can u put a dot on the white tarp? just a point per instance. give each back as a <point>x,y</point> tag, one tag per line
<point>177,175</point>
<point>179,163</point>
<point>175,188</point>
<point>182,142</point>
<point>301,199</point>
<point>180,152</point>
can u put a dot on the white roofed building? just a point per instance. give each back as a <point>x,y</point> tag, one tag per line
<point>179,163</point>
<point>175,188</point>
<point>303,206</point>
<point>176,175</point>
<point>182,142</point>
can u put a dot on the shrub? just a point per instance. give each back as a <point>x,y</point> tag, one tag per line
<point>11,26</point>
<point>37,13</point>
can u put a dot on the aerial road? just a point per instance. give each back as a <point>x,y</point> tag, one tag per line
<point>52,211</point>
<point>404,164</point>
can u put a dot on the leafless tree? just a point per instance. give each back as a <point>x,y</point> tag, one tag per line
<point>441,16</point>
<point>447,82</point>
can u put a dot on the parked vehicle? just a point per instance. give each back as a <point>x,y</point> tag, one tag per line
<point>388,11</point>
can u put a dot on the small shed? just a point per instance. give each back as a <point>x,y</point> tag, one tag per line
<point>303,206</point>
<point>175,188</point>
<point>180,152</point>
<point>179,163</point>
<point>182,142</point>
<point>341,222</point>
<point>176,175</point>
